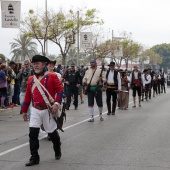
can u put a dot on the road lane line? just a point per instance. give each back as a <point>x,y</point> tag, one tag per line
<point>25,144</point>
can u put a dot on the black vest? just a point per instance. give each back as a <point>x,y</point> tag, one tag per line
<point>114,77</point>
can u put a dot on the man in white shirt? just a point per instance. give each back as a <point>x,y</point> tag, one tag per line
<point>136,83</point>
<point>162,81</point>
<point>113,81</point>
<point>147,82</point>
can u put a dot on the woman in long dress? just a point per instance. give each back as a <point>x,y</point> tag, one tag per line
<point>123,99</point>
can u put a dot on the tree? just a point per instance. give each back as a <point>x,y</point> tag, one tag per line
<point>164,51</point>
<point>23,48</point>
<point>3,57</point>
<point>60,27</point>
<point>131,49</point>
<point>103,49</point>
<point>153,57</point>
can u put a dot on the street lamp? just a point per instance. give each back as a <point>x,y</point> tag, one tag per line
<point>78,48</point>
<point>46,26</point>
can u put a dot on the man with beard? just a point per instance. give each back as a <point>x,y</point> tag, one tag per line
<point>93,79</point>
<point>52,87</point>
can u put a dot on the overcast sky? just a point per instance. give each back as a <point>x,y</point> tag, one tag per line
<point>148,20</point>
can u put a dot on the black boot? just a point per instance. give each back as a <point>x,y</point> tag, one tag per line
<point>113,108</point>
<point>34,146</point>
<point>56,144</point>
<point>109,108</point>
<point>32,162</point>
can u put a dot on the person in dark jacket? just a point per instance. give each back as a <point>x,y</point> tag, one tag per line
<point>72,79</point>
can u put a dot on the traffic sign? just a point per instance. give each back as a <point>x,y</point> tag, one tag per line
<point>85,40</point>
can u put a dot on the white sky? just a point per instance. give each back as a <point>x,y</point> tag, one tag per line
<point>148,20</point>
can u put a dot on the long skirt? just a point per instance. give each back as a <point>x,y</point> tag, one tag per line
<point>123,99</point>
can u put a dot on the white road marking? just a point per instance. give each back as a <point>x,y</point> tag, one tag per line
<point>25,144</point>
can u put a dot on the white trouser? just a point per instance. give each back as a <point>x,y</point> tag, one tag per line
<point>11,92</point>
<point>21,98</point>
<point>41,117</point>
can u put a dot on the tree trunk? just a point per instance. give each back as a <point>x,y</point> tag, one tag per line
<point>127,64</point>
<point>64,59</point>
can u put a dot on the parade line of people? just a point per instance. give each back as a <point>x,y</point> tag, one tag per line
<point>40,88</point>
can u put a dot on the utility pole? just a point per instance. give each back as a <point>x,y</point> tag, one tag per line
<point>112,44</point>
<point>78,46</point>
<point>46,14</point>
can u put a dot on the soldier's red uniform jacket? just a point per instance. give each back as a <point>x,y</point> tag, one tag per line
<point>51,82</point>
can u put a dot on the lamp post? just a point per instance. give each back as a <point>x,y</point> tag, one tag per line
<point>46,26</point>
<point>78,47</point>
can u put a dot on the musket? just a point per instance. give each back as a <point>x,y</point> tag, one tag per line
<point>124,91</point>
<point>63,113</point>
<point>55,119</point>
<point>99,77</point>
<point>64,73</point>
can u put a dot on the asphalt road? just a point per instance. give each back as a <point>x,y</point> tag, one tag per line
<point>133,139</point>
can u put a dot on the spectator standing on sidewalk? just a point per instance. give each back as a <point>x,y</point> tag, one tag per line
<point>23,75</point>
<point>82,73</point>
<point>11,81</point>
<point>3,85</point>
<point>15,98</point>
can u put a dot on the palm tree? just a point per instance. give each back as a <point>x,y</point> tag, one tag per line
<point>23,49</point>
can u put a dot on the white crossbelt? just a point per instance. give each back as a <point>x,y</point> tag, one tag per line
<point>48,103</point>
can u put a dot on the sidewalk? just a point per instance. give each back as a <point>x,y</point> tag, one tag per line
<point>10,110</point>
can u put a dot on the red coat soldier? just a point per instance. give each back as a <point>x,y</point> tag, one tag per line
<point>39,111</point>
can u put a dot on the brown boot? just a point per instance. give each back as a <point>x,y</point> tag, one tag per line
<point>113,108</point>
<point>109,108</point>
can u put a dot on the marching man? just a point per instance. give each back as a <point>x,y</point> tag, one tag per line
<point>113,82</point>
<point>136,82</point>
<point>147,81</point>
<point>40,114</point>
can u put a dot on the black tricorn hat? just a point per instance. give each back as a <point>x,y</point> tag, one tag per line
<point>121,71</point>
<point>52,61</point>
<point>112,63</point>
<point>145,70</point>
<point>40,58</point>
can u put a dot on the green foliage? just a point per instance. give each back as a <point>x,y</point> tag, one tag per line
<point>154,58</point>
<point>23,48</point>
<point>2,57</point>
<point>31,11</point>
<point>164,51</point>
<point>59,27</point>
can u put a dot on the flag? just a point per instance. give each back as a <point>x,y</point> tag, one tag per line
<point>11,14</point>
